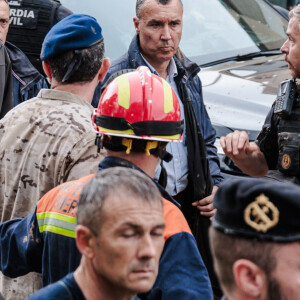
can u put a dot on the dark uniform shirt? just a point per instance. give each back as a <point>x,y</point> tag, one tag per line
<point>267,140</point>
<point>276,148</point>
<point>30,21</point>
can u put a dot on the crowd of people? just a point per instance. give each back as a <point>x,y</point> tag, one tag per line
<point>127,200</point>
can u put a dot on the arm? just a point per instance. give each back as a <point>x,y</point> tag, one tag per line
<point>246,155</point>
<point>21,247</point>
<point>205,205</point>
<point>254,158</point>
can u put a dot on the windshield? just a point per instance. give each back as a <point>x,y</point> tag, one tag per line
<point>212,29</point>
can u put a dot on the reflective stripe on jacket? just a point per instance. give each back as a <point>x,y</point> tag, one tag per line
<point>44,242</point>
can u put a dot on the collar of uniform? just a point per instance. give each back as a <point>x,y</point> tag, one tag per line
<point>172,69</point>
<point>62,96</point>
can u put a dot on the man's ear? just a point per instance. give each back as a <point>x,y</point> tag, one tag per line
<point>85,241</point>
<point>136,22</point>
<point>104,68</point>
<point>250,279</point>
<point>47,69</point>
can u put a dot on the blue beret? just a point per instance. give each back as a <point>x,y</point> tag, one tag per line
<point>71,33</point>
<point>259,209</point>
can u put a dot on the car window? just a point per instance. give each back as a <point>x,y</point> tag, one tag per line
<point>212,29</point>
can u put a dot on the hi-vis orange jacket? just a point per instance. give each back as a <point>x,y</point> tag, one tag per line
<point>45,242</point>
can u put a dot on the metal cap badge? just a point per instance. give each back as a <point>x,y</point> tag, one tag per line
<point>258,208</point>
<point>261,214</point>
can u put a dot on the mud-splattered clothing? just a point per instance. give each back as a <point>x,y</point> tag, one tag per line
<point>43,142</point>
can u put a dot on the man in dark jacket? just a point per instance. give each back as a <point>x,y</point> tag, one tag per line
<point>120,234</point>
<point>135,132</point>
<point>6,97</point>
<point>159,52</point>
<point>158,25</point>
<point>27,81</point>
<point>30,21</point>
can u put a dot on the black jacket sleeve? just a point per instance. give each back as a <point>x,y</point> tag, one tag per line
<point>6,95</point>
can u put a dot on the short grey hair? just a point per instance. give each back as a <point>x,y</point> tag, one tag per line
<point>295,12</point>
<point>117,182</point>
<point>140,3</point>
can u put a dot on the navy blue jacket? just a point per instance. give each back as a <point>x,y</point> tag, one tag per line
<point>187,73</point>
<point>27,81</point>
<point>45,242</point>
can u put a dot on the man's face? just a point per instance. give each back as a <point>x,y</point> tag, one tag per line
<point>129,244</point>
<point>159,28</point>
<point>291,47</point>
<point>4,21</point>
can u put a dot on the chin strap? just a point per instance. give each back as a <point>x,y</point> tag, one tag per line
<point>124,144</point>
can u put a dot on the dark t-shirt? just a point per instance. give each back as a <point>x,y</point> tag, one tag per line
<point>65,289</point>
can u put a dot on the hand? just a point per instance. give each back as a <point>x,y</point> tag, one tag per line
<point>246,155</point>
<point>236,145</point>
<point>205,205</point>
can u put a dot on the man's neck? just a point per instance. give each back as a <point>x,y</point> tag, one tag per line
<point>84,90</point>
<point>93,288</point>
<point>160,67</point>
<point>146,163</point>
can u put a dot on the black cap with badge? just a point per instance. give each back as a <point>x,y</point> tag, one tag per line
<point>258,209</point>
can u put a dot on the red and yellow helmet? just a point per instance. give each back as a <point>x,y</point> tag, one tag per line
<point>139,105</point>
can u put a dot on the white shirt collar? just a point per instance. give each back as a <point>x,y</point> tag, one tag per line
<point>172,68</point>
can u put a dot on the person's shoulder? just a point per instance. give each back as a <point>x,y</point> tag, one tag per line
<point>119,63</point>
<point>62,12</point>
<point>174,220</point>
<point>51,292</point>
<point>61,290</point>
<point>23,68</point>
<point>21,112</point>
<point>69,190</point>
